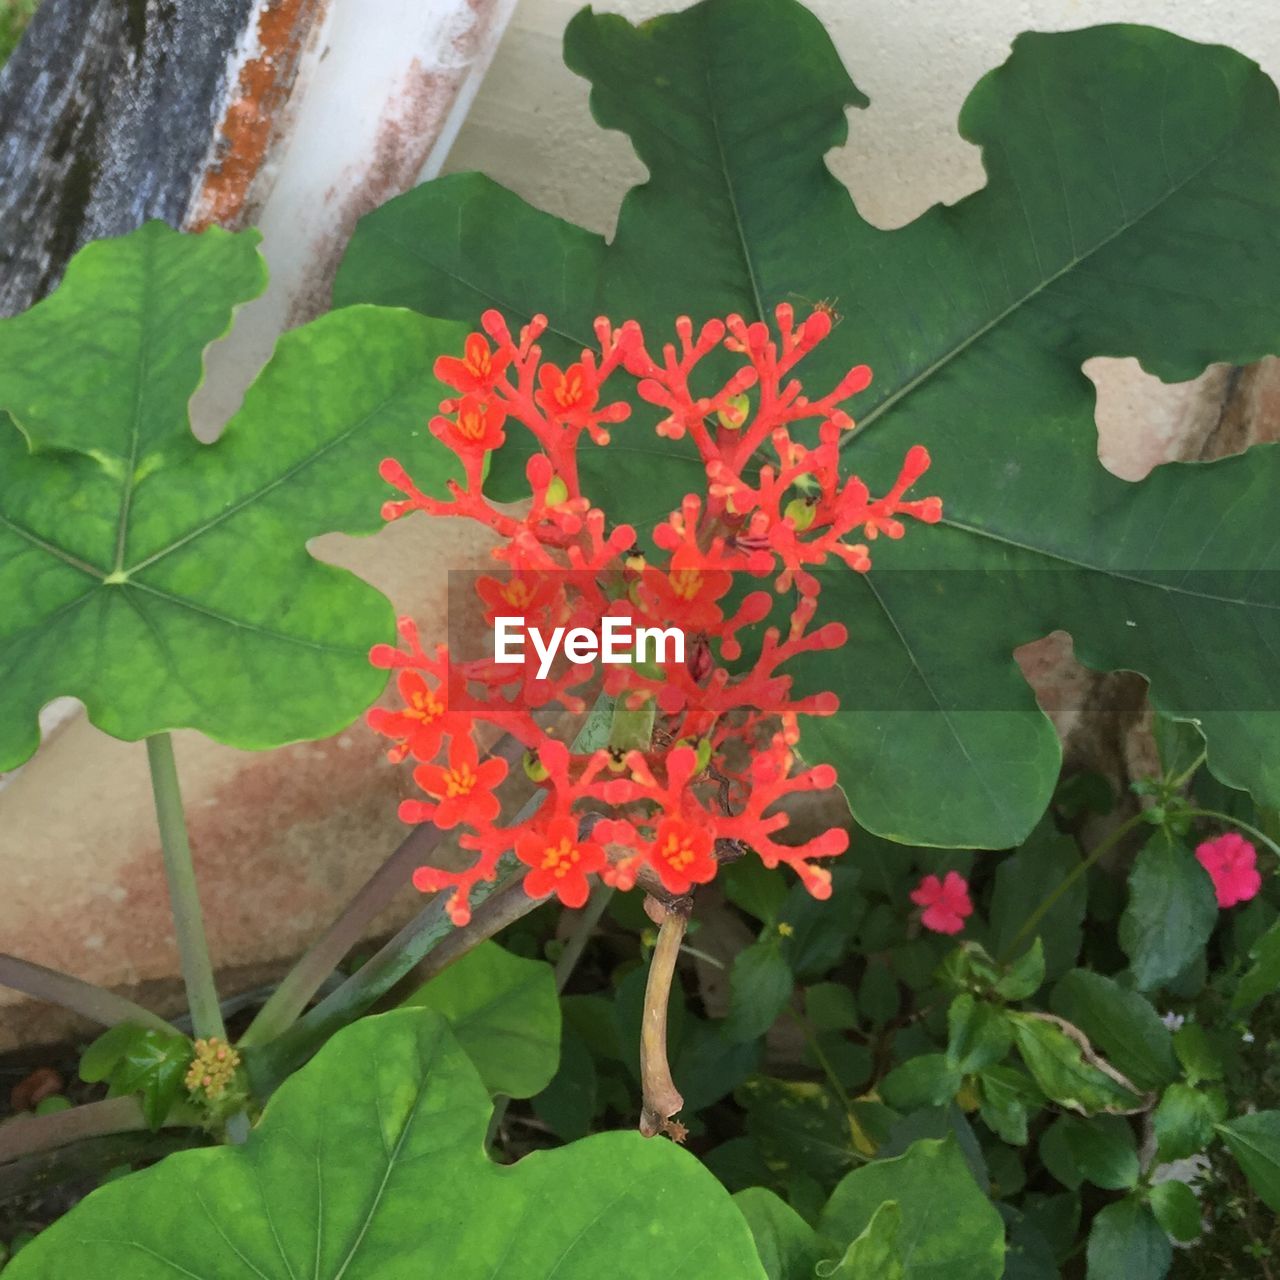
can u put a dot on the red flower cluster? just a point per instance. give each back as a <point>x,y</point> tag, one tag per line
<point>1232,864</point>
<point>701,753</point>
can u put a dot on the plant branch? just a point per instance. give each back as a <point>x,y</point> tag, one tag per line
<point>30,1135</point>
<point>84,998</point>
<point>324,955</point>
<point>661,1098</point>
<point>583,927</point>
<point>92,1156</point>
<point>184,897</point>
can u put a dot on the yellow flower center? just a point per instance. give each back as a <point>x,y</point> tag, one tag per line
<point>686,583</point>
<point>678,851</point>
<point>460,781</point>
<point>560,858</point>
<point>424,706</point>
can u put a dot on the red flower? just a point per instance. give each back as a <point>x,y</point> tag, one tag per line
<point>570,394</point>
<point>478,369</point>
<point>465,789</point>
<point>945,902</point>
<point>1232,864</point>
<point>681,855</point>
<point>421,726</point>
<point>560,862</point>
<point>475,428</point>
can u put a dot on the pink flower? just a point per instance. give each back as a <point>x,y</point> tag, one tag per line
<point>945,902</point>
<point>1232,864</point>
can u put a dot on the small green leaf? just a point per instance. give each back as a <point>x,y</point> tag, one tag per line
<point>788,1246</point>
<point>760,987</point>
<point>1262,978</point>
<point>1200,1057</point>
<point>1254,1140</point>
<point>1171,913</point>
<point>568,1104</point>
<point>1068,1071</point>
<point>1025,976</point>
<point>949,1227</point>
<point>799,1127</point>
<point>979,1035</point>
<point>369,1164</point>
<point>504,1012</point>
<point>1127,1243</point>
<point>1007,1096</point>
<point>1177,1210</point>
<point>760,892</point>
<point>875,1252</point>
<point>141,1060</point>
<point>927,1080</point>
<point>1185,1119</point>
<point>1121,1023</point>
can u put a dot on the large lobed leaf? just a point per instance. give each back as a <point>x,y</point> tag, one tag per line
<point>369,1164</point>
<point>166,583</point>
<point>1132,208</point>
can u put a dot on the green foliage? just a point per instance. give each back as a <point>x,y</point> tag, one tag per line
<point>760,986</point>
<point>1171,912</point>
<point>1092,236</point>
<point>504,1012</point>
<point>369,1164</point>
<point>875,1252</point>
<point>1254,1140</point>
<point>1126,1243</point>
<point>1066,1068</point>
<point>141,1060</point>
<point>167,583</point>
<point>948,1226</point>
<point>1120,1023</point>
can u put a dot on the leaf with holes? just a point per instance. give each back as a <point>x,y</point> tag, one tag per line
<point>370,1164</point>
<point>1132,208</point>
<point>167,583</point>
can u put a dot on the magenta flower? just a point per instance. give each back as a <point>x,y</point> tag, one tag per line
<point>945,902</point>
<point>1232,864</point>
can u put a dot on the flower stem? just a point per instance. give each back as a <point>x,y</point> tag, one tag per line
<point>583,927</point>
<point>1047,905</point>
<point>184,898</point>
<point>661,1098</point>
<point>1255,832</point>
<point>80,997</point>
<point>30,1135</point>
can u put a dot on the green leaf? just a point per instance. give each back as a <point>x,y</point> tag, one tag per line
<point>369,1164</point>
<point>1126,1243</point>
<point>875,1253</point>
<point>1184,1121</point>
<point>1121,1023</point>
<point>1103,1150</point>
<point>760,987</point>
<point>1007,1095</point>
<point>979,1035</point>
<point>927,1080</point>
<point>1025,879</point>
<point>1254,1140</point>
<point>799,1126</point>
<point>568,1104</point>
<point>141,1060</point>
<point>1096,234</point>
<point>1177,1210</point>
<point>1262,978</point>
<point>166,583</point>
<point>1065,1067</point>
<point>788,1246</point>
<point>505,1013</point>
<point>1171,913</point>
<point>949,1231</point>
<point>830,1006</point>
<point>1200,1057</point>
<point>1025,976</point>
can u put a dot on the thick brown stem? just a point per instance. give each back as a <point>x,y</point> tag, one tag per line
<point>662,1100</point>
